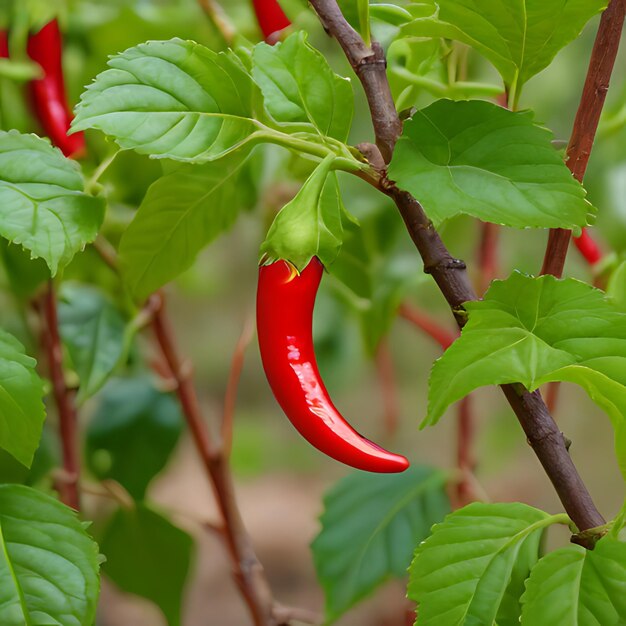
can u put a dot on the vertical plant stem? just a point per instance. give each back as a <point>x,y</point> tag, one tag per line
<point>213,10</point>
<point>388,384</point>
<point>583,135</point>
<point>247,570</point>
<point>465,460</point>
<point>64,400</point>
<point>488,254</point>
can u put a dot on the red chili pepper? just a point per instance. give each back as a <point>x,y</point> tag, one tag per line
<point>270,16</point>
<point>4,45</point>
<point>588,247</point>
<point>285,302</point>
<point>48,93</point>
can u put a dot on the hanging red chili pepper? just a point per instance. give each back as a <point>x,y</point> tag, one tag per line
<point>285,302</point>
<point>588,247</point>
<point>48,93</point>
<point>270,16</point>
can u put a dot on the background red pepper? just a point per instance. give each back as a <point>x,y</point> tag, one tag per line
<point>270,16</point>
<point>285,302</point>
<point>48,93</point>
<point>4,45</point>
<point>588,247</point>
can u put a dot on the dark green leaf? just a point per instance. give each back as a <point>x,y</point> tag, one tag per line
<point>300,87</point>
<point>94,331</point>
<point>43,206</point>
<point>466,570</point>
<point>132,433</point>
<point>480,159</point>
<point>577,587</point>
<point>48,563</point>
<point>370,527</point>
<point>148,556</point>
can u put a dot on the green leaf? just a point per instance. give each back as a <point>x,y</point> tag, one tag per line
<point>534,331</point>
<point>370,526</point>
<point>21,407</point>
<point>182,212</point>
<point>300,87</point>
<point>94,332</point>
<point>577,587</point>
<point>48,563</point>
<point>520,37</point>
<point>43,206</point>
<point>479,159</point>
<point>617,286</point>
<point>132,433</point>
<point>311,224</point>
<point>462,573</point>
<point>24,274</point>
<point>148,556</point>
<point>174,99</point>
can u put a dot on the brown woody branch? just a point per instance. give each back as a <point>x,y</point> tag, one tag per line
<point>67,485</point>
<point>450,273</point>
<point>587,118</point>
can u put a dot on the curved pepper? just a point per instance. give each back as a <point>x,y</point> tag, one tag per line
<point>285,301</point>
<point>270,16</point>
<point>48,93</point>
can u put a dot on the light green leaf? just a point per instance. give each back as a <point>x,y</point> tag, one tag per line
<point>94,332</point>
<point>148,556</point>
<point>182,212</point>
<point>21,407</point>
<point>533,331</point>
<point>390,13</point>
<point>462,573</point>
<point>133,421</point>
<point>311,224</point>
<point>300,87</point>
<point>577,587</point>
<point>520,37</point>
<point>174,99</point>
<point>482,160</point>
<point>43,206</point>
<point>48,563</point>
<point>370,527</point>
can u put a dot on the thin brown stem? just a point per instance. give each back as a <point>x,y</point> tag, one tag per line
<point>230,397</point>
<point>389,387</point>
<point>488,254</point>
<point>583,135</point>
<point>64,400</point>
<point>450,273</point>
<point>213,10</point>
<point>247,570</point>
<point>465,460</point>
<point>432,327</point>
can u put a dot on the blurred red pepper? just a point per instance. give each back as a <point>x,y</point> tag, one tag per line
<point>588,247</point>
<point>285,302</point>
<point>4,45</point>
<point>48,93</point>
<point>270,16</point>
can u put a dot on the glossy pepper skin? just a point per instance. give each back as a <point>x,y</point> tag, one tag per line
<point>48,93</point>
<point>285,301</point>
<point>270,16</point>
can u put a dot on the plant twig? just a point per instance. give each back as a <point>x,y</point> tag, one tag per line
<point>213,10</point>
<point>429,325</point>
<point>230,397</point>
<point>247,570</point>
<point>388,385</point>
<point>488,255</point>
<point>587,117</point>
<point>64,400</point>
<point>465,460</point>
<point>450,273</point>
